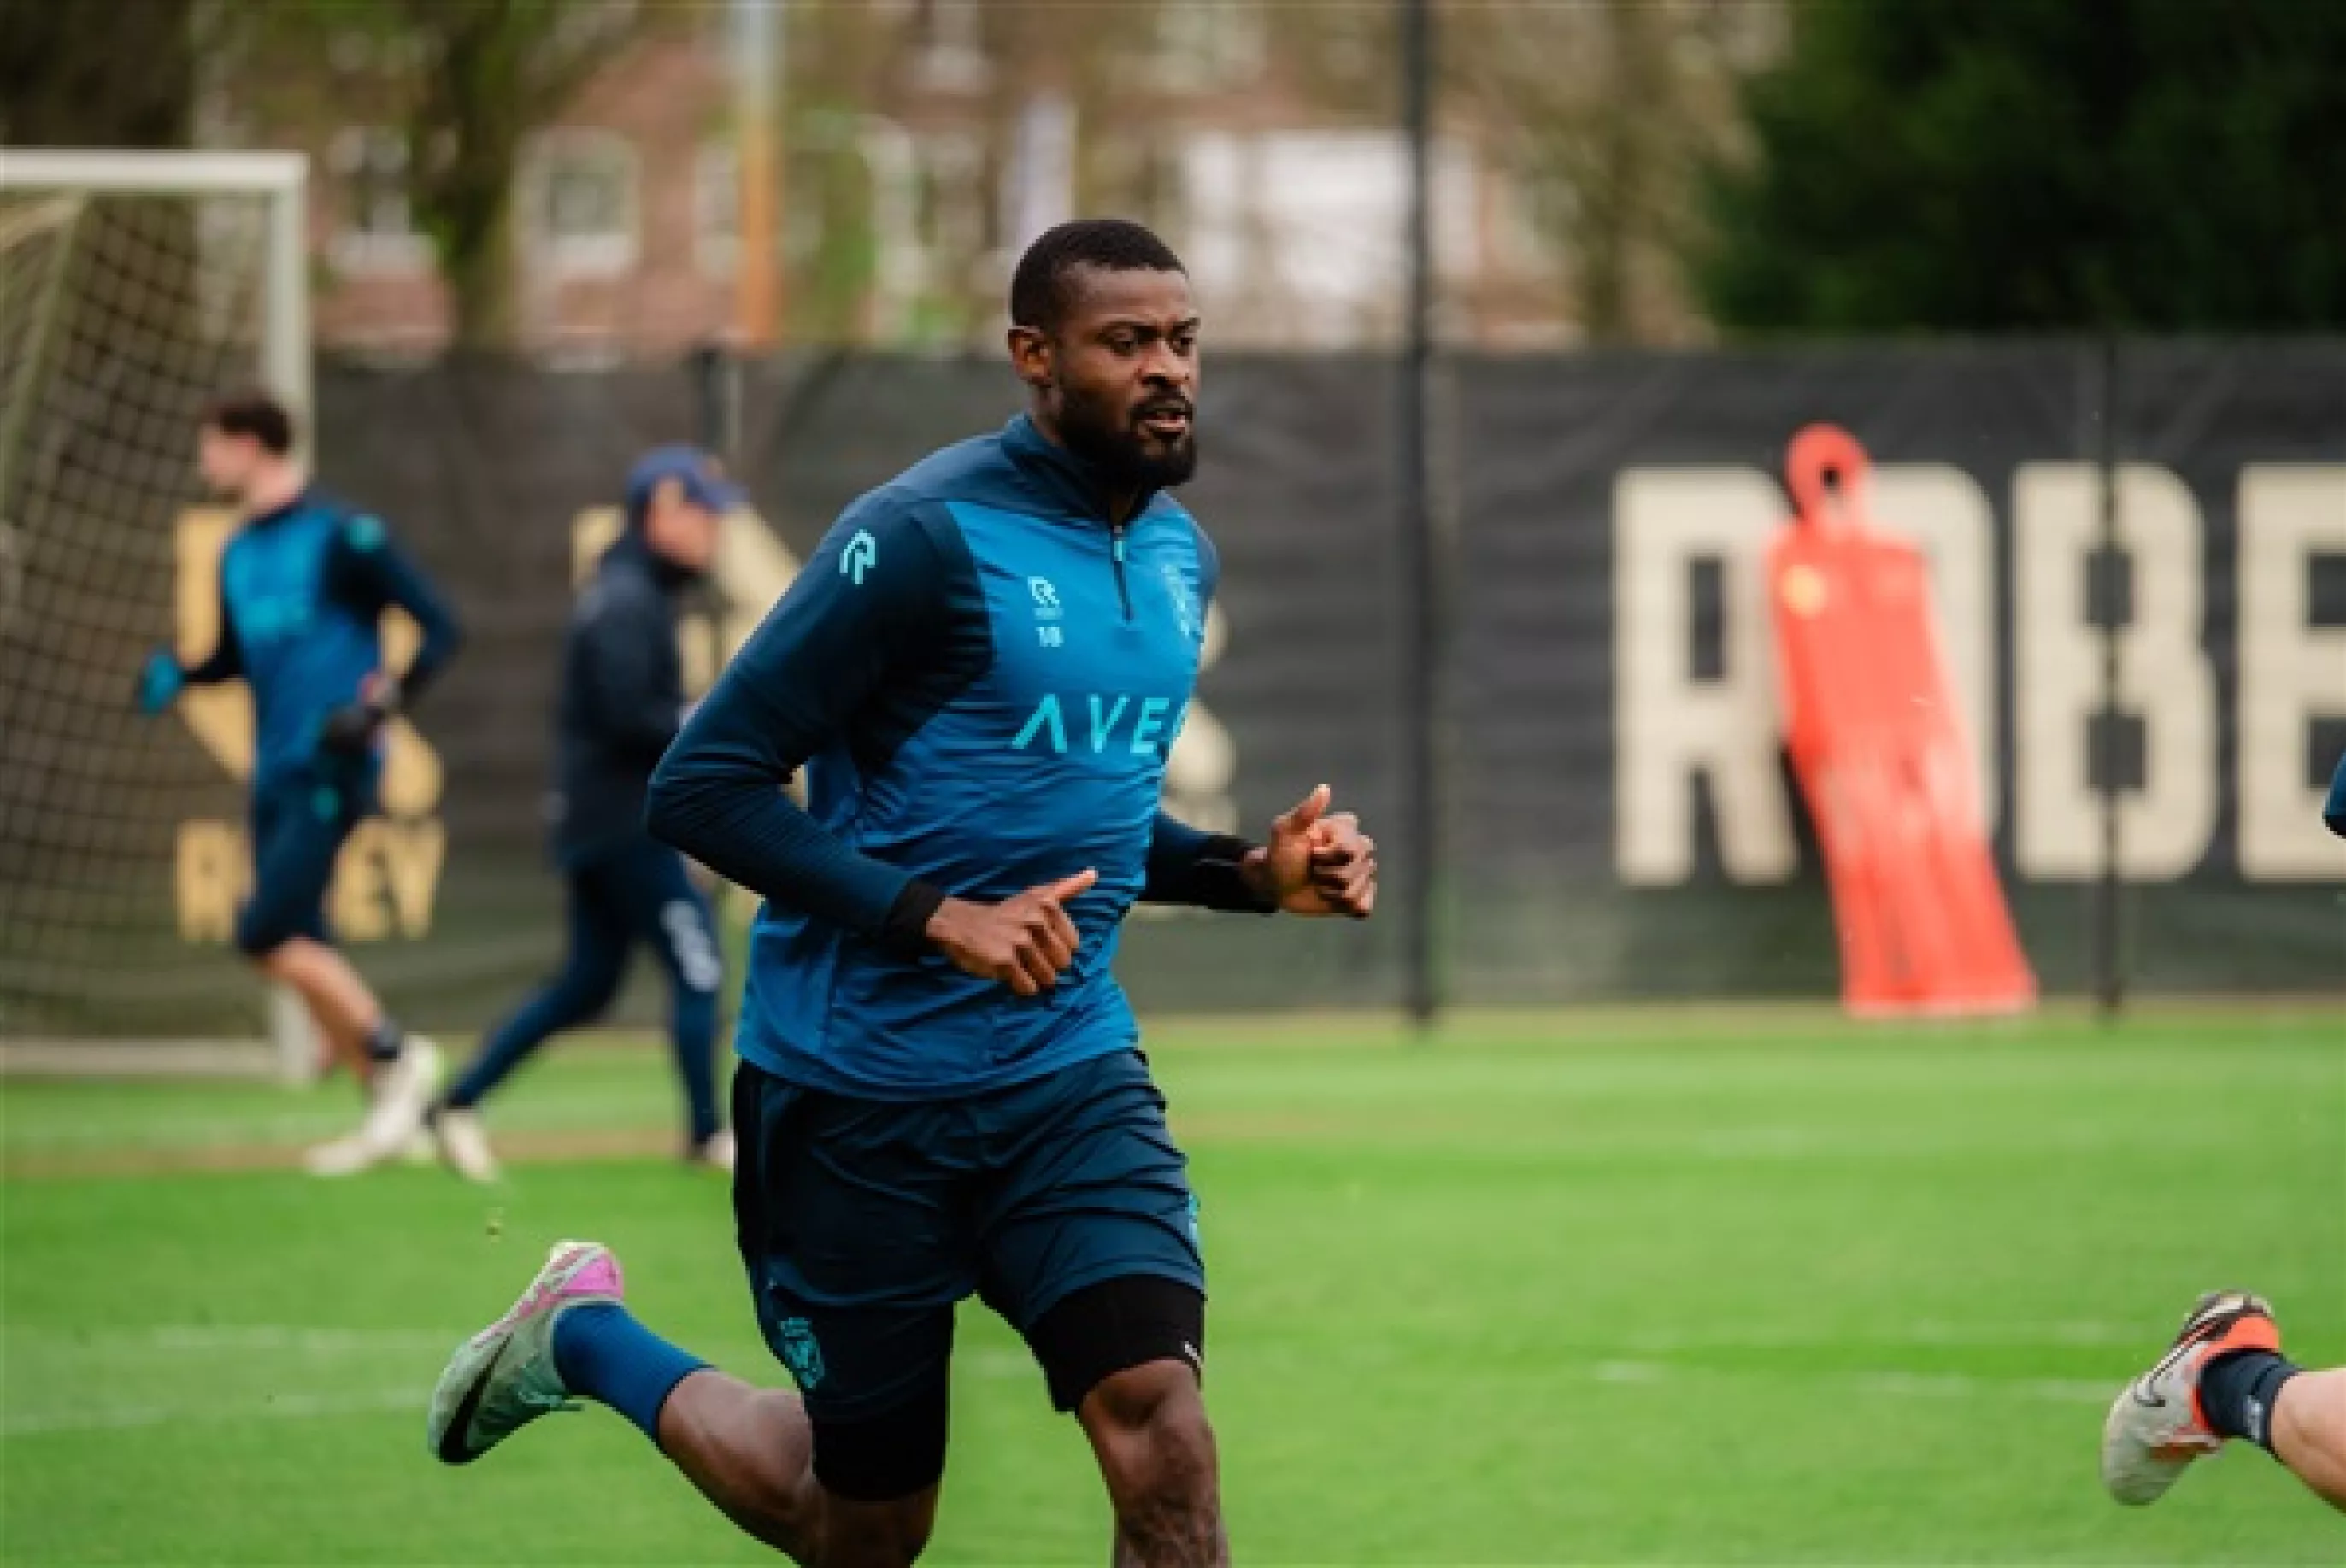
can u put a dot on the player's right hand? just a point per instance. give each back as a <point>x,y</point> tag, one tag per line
<point>1025,944</point>
<point>159,683</point>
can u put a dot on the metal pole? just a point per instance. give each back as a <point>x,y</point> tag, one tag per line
<point>714,372</point>
<point>2109,978</point>
<point>757,35</point>
<point>285,346</point>
<point>288,370</point>
<point>1421,651</point>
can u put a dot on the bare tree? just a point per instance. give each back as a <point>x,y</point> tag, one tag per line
<point>113,75</point>
<point>466,82</point>
<point>1603,113</point>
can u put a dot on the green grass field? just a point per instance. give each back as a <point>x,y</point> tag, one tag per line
<point>1669,1288</point>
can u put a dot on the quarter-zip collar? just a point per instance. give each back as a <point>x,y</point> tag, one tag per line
<point>1065,478</point>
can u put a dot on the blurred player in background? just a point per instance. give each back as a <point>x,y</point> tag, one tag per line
<point>622,699</point>
<point>303,586</point>
<point>940,1093</point>
<point>2225,1378</point>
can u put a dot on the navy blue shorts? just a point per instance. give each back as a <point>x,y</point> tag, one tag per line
<point>298,827</point>
<point>863,1223</point>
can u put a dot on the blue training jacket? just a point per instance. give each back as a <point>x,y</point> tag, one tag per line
<point>981,680</point>
<point>302,589</point>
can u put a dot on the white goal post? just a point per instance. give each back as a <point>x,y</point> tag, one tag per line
<point>57,239</point>
<point>281,178</point>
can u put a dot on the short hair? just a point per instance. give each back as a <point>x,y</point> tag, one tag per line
<point>1039,291</point>
<point>255,414</point>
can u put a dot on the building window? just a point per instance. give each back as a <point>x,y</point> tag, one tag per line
<point>951,40</point>
<point>717,209</point>
<point>591,26</point>
<point>584,209</point>
<point>376,231</point>
<point>949,199</point>
<point>1210,48</point>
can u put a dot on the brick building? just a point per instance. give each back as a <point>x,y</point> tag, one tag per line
<point>954,140</point>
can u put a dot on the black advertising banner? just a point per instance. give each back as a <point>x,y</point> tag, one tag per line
<point>1622,820</point>
<point>1618,820</point>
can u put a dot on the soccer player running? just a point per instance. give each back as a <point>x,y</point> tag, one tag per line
<point>304,585</point>
<point>981,669</point>
<point>622,699</point>
<point>2225,1377</point>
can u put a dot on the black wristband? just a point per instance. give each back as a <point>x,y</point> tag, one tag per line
<point>906,932</point>
<point>1218,878</point>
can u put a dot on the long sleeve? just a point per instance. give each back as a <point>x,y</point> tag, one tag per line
<point>374,574</point>
<point>226,661</point>
<point>1190,866</point>
<point>856,616</point>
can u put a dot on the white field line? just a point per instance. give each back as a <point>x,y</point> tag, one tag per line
<point>1926,1334</point>
<point>284,1407</point>
<point>1892,1385</point>
<point>213,1339</point>
<point>206,1339</point>
<point>993,1363</point>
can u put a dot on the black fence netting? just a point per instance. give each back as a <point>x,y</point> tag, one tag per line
<point>1618,820</point>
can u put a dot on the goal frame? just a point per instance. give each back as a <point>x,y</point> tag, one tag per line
<point>281,179</point>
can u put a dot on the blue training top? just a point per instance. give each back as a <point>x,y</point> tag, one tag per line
<point>302,589</point>
<point>981,679</point>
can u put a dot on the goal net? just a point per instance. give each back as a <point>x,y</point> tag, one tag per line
<point>133,287</point>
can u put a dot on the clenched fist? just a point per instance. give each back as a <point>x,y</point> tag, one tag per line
<point>1025,942</point>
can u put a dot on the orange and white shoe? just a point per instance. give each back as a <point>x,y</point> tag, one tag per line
<point>2157,1426</point>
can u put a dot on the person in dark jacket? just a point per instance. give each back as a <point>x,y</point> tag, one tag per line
<point>622,700</point>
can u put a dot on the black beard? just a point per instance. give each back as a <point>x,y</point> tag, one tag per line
<point>1118,452</point>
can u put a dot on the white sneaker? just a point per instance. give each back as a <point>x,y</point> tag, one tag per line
<point>715,1151</point>
<point>2155,1427</point>
<point>464,1145</point>
<point>505,1376</point>
<point>402,1095</point>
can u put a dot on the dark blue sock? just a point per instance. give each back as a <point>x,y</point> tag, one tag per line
<point>2237,1393</point>
<point>386,1040</point>
<point>604,1355</point>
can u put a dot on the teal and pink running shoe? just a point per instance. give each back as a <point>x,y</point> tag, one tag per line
<point>504,1378</point>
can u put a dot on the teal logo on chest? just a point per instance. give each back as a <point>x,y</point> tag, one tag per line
<point>272,617</point>
<point>1100,721</point>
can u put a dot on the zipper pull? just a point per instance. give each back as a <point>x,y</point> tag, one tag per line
<point>1123,589</point>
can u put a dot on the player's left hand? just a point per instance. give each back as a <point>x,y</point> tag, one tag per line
<point>1316,863</point>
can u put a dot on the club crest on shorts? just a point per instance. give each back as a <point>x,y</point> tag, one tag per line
<point>799,1351</point>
